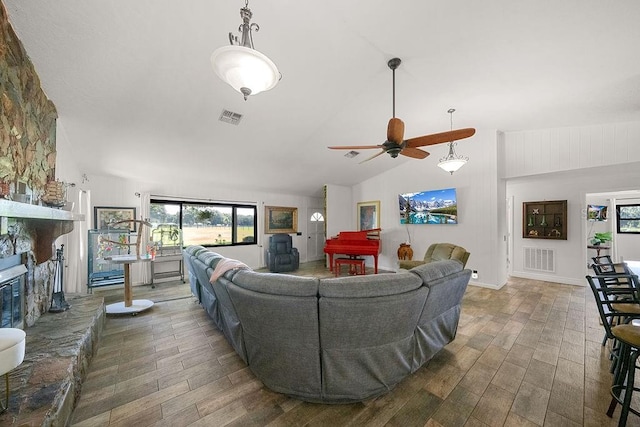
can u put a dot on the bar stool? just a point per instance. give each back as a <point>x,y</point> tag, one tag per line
<point>628,336</point>
<point>12,345</point>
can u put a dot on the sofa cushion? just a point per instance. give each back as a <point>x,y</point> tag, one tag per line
<point>208,258</point>
<point>277,284</point>
<point>376,285</point>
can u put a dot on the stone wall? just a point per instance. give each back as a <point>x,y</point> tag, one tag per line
<point>27,117</point>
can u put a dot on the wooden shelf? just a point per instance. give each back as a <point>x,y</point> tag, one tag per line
<point>544,220</point>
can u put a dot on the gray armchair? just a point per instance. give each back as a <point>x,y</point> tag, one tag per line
<point>439,252</point>
<point>281,255</point>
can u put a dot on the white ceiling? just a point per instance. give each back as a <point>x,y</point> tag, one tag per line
<point>137,97</point>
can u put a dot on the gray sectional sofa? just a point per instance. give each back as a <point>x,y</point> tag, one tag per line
<point>335,340</point>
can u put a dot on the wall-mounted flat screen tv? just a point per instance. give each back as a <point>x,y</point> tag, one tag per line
<point>429,207</point>
<point>596,213</point>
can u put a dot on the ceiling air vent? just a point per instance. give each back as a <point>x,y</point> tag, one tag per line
<point>351,154</point>
<point>230,117</point>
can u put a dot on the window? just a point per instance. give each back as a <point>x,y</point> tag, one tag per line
<point>208,224</point>
<point>317,216</point>
<point>628,219</point>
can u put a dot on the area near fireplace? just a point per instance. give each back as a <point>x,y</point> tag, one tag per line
<point>29,232</point>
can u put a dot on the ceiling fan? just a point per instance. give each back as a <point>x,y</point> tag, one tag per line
<point>396,144</point>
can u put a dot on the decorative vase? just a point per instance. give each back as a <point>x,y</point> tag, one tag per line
<point>530,224</point>
<point>405,251</point>
<point>543,223</point>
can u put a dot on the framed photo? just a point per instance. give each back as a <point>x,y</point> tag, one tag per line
<point>368,215</point>
<point>278,219</point>
<point>104,215</point>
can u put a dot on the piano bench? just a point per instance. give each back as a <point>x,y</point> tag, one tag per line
<point>353,263</point>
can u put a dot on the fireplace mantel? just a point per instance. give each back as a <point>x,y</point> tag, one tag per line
<point>48,224</point>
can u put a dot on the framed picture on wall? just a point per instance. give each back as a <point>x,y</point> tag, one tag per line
<point>278,219</point>
<point>105,216</point>
<point>368,215</point>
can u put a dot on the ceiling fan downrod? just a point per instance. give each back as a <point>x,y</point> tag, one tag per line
<point>393,64</point>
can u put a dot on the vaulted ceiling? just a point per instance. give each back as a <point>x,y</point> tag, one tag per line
<point>137,97</point>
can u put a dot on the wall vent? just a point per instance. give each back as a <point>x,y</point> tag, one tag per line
<point>230,117</point>
<point>540,259</point>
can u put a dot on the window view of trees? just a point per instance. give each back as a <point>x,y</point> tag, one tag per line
<point>208,224</point>
<point>628,218</point>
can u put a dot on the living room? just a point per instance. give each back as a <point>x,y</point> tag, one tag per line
<point>502,167</point>
<point>557,157</point>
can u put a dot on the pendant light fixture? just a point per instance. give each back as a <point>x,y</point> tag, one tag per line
<point>452,162</point>
<point>240,65</point>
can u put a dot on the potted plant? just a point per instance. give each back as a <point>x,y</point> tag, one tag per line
<point>602,237</point>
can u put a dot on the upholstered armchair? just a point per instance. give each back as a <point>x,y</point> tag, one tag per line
<point>439,252</point>
<point>281,255</point>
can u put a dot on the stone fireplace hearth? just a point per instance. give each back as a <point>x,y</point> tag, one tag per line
<point>59,346</point>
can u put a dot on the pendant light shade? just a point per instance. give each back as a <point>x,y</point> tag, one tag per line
<point>244,69</point>
<point>240,65</point>
<point>452,162</point>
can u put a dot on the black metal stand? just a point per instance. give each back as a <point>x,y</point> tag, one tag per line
<point>58,303</point>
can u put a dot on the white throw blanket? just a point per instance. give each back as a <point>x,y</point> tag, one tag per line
<point>224,265</point>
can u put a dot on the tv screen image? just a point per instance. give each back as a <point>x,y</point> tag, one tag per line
<point>429,207</point>
<point>596,213</point>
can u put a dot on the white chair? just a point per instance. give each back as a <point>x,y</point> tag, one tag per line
<point>12,345</point>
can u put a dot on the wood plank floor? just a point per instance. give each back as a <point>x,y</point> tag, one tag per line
<point>529,354</point>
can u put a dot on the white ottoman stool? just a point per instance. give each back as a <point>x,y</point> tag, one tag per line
<point>12,343</point>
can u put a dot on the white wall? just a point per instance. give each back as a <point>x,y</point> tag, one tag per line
<point>571,254</point>
<point>481,207</point>
<point>341,214</point>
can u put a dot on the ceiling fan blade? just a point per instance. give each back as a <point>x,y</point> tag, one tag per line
<point>395,130</point>
<point>415,153</point>
<point>355,147</point>
<point>439,138</point>
<point>373,157</point>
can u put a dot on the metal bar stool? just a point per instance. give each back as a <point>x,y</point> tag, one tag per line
<point>12,345</point>
<point>623,384</point>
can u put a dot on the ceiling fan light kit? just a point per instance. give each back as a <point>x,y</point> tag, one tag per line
<point>396,144</point>
<point>452,161</point>
<point>240,65</point>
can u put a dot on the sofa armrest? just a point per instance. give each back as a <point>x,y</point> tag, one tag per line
<point>409,264</point>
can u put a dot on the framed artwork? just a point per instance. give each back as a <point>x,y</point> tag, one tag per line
<point>368,215</point>
<point>278,219</point>
<point>105,215</point>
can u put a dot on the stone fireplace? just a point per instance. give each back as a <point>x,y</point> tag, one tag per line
<point>27,235</point>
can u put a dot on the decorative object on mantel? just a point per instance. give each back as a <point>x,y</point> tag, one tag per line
<point>5,190</point>
<point>240,65</point>
<point>55,194</point>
